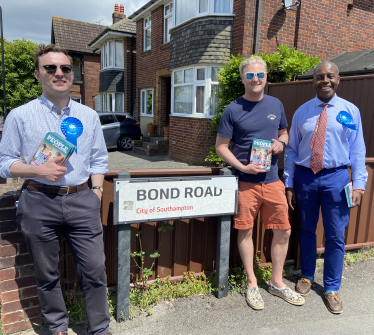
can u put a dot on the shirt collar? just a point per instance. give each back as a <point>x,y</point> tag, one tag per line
<point>52,107</point>
<point>332,102</point>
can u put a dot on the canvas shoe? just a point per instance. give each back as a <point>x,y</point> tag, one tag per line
<point>253,298</point>
<point>287,294</point>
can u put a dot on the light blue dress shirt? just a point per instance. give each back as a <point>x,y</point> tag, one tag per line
<point>27,125</point>
<point>343,146</point>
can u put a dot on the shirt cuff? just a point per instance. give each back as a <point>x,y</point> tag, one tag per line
<point>98,171</point>
<point>288,182</point>
<point>359,185</point>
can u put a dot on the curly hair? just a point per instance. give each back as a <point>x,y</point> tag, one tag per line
<point>252,60</point>
<point>43,49</point>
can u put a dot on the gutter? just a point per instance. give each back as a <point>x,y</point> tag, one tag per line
<point>257,27</point>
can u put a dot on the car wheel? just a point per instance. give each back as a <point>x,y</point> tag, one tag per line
<point>125,143</point>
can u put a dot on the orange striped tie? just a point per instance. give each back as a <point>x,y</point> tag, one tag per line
<point>318,141</point>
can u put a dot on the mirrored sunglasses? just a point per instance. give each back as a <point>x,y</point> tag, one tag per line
<point>251,75</point>
<point>51,69</point>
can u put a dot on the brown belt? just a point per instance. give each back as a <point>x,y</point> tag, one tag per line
<point>33,185</point>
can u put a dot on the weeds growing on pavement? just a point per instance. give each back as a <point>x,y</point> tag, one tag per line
<point>144,297</point>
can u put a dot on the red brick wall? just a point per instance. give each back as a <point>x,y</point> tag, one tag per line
<point>18,294</point>
<point>148,62</point>
<point>324,27</point>
<point>76,91</point>
<point>91,79</point>
<point>190,139</point>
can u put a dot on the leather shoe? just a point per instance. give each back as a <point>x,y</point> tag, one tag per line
<point>61,333</point>
<point>303,286</point>
<point>334,302</point>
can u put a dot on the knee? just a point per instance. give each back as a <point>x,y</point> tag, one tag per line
<point>245,234</point>
<point>282,235</point>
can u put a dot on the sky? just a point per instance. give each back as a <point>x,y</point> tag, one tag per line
<point>32,19</point>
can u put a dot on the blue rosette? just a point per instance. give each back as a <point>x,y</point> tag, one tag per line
<point>72,128</point>
<point>345,119</point>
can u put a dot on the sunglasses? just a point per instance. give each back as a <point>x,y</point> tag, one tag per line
<point>51,69</point>
<point>251,75</point>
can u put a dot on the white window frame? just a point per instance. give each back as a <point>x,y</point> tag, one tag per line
<point>143,111</point>
<point>166,16</point>
<point>105,96</point>
<point>106,62</point>
<point>207,83</point>
<point>147,26</point>
<point>197,14</point>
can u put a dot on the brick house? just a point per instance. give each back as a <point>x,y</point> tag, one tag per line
<point>180,46</point>
<point>74,36</point>
<point>116,47</point>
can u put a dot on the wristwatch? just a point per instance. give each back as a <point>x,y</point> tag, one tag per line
<point>98,188</point>
<point>284,144</point>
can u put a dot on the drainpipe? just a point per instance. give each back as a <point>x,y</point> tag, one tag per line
<point>131,77</point>
<point>257,27</point>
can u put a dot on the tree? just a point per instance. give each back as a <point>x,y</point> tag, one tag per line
<point>283,65</point>
<point>20,83</point>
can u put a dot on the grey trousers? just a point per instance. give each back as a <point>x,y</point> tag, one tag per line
<point>43,218</point>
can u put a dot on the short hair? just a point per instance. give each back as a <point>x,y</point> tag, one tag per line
<point>43,49</point>
<point>326,62</point>
<point>252,60</point>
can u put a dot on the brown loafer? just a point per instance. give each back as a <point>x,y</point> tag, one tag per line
<point>303,286</point>
<point>61,333</point>
<point>334,302</point>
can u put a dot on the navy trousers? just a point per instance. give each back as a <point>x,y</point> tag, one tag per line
<point>325,191</point>
<point>43,218</point>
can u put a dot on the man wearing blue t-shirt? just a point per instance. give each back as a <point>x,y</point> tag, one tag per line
<point>256,115</point>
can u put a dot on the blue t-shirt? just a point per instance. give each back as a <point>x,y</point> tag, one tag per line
<point>244,120</point>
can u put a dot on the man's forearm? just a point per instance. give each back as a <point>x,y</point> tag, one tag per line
<point>283,138</point>
<point>24,170</point>
<point>97,180</point>
<point>225,153</point>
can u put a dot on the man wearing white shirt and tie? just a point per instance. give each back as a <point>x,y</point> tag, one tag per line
<point>325,138</point>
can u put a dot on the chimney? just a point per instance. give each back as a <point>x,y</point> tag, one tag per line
<point>118,14</point>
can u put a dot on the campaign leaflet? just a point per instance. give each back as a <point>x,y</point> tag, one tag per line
<point>348,193</point>
<point>259,154</point>
<point>53,146</point>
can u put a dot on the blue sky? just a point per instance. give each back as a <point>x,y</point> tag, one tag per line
<point>32,19</point>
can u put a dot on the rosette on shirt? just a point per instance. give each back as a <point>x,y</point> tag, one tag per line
<point>72,128</point>
<point>345,119</point>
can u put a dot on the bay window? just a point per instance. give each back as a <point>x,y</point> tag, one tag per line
<point>192,91</point>
<point>112,102</point>
<point>112,54</point>
<point>185,10</point>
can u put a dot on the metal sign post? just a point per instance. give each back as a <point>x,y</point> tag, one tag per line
<point>157,199</point>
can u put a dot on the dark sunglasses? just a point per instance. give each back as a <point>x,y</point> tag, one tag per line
<point>51,69</point>
<point>251,75</point>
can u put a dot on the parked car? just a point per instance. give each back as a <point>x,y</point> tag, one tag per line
<point>119,130</point>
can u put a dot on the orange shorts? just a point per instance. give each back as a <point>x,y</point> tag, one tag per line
<point>269,199</point>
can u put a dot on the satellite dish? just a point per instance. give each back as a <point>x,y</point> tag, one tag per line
<point>288,3</point>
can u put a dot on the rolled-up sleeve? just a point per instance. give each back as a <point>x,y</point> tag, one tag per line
<point>99,152</point>
<point>10,145</point>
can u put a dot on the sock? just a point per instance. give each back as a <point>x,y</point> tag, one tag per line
<point>279,289</point>
<point>310,278</point>
<point>251,288</point>
<point>328,291</point>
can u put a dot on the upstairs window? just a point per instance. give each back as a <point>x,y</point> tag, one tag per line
<point>112,54</point>
<point>168,21</point>
<point>185,10</point>
<point>147,33</point>
<point>77,69</point>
